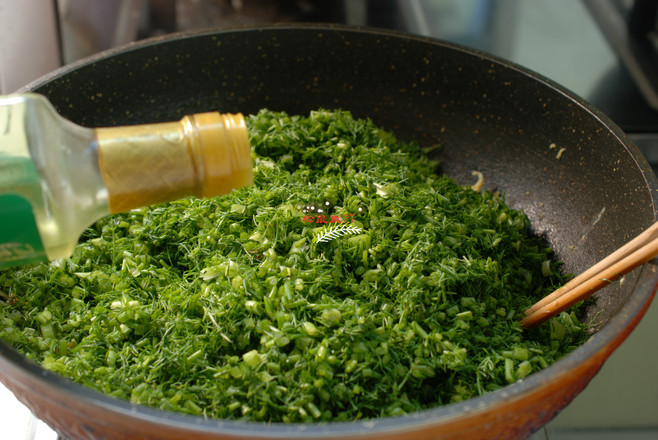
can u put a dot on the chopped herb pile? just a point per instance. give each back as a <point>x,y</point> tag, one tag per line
<point>230,308</point>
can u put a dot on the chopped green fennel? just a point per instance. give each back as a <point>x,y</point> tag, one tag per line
<point>229,308</point>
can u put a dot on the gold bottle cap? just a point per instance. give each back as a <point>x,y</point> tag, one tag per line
<point>203,155</point>
<point>223,144</point>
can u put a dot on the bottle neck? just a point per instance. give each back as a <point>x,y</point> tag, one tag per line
<point>202,155</point>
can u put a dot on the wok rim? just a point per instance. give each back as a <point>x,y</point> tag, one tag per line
<point>624,320</point>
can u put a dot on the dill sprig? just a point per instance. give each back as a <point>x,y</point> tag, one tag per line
<point>335,231</point>
<point>226,308</point>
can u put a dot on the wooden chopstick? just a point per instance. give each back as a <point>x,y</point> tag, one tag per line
<point>630,247</point>
<point>641,249</point>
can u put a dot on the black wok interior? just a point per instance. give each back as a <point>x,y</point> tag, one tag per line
<point>487,116</point>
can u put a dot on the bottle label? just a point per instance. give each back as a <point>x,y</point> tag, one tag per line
<point>20,242</point>
<point>19,238</point>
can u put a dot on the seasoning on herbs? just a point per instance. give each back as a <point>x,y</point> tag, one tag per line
<point>232,308</point>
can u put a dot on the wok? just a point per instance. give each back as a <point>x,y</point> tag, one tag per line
<point>488,115</point>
